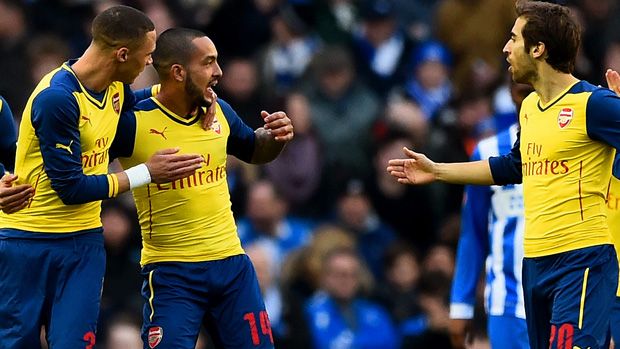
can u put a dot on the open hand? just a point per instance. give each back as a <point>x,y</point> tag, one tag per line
<point>209,116</point>
<point>167,166</point>
<point>417,169</point>
<point>279,125</point>
<point>613,80</point>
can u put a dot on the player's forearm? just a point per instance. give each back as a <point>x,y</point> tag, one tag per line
<point>266,148</point>
<point>81,189</point>
<point>133,177</point>
<point>474,172</point>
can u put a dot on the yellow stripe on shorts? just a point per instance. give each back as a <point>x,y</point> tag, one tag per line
<point>584,286</point>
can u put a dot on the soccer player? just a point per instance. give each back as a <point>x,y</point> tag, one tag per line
<point>492,230</point>
<point>53,259</point>
<point>195,271</point>
<point>564,155</point>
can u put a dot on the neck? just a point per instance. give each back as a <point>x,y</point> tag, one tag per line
<point>550,83</point>
<point>175,99</point>
<point>94,70</point>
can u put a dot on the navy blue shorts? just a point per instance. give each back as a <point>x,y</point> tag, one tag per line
<point>53,282</point>
<point>222,295</point>
<point>569,297</point>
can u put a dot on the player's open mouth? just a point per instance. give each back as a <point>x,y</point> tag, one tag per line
<point>211,85</point>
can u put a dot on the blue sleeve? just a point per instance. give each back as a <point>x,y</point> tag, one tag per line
<point>143,94</point>
<point>125,138</point>
<point>55,118</point>
<point>473,245</point>
<point>241,139</point>
<point>130,99</point>
<point>8,138</point>
<point>506,169</point>
<point>603,120</point>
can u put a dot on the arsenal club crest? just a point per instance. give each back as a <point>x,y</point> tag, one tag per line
<point>116,103</point>
<point>155,336</point>
<point>565,117</point>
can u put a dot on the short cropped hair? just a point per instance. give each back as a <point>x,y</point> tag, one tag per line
<point>121,26</point>
<point>554,26</point>
<point>174,46</point>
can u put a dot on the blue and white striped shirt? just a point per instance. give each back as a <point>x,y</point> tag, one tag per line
<point>492,229</point>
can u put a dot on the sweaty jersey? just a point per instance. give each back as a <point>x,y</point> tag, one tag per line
<point>188,220</point>
<point>492,231</point>
<point>564,157</point>
<point>62,151</point>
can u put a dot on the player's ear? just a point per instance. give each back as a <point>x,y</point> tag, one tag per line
<point>122,54</point>
<point>538,50</point>
<point>178,72</point>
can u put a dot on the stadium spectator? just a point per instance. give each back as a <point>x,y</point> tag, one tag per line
<point>296,173</point>
<point>339,317</point>
<point>268,220</point>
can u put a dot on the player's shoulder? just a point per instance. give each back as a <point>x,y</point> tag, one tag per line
<point>54,97</point>
<point>62,78</point>
<point>532,98</point>
<point>59,85</point>
<point>145,105</point>
<point>599,98</point>
<point>226,108</point>
<point>583,86</point>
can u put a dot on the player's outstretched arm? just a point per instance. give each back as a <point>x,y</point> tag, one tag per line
<point>13,198</point>
<point>417,169</point>
<point>271,138</point>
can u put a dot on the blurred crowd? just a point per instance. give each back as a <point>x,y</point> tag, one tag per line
<point>331,234</point>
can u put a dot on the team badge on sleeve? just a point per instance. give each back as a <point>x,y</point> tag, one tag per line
<point>565,117</point>
<point>155,336</point>
<point>116,102</point>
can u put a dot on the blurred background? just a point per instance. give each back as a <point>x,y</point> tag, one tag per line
<point>360,80</point>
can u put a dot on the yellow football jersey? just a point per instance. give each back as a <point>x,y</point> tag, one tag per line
<point>188,220</point>
<point>63,152</point>
<point>565,171</point>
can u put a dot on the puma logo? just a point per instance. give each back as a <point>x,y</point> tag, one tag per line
<point>161,133</point>
<point>87,119</point>
<point>65,147</point>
